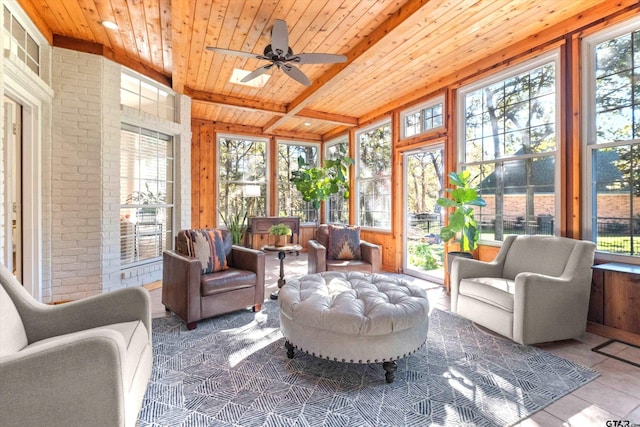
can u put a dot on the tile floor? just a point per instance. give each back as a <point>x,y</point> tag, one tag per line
<point>614,395</point>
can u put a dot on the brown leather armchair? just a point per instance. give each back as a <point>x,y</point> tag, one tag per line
<point>369,262</point>
<point>194,296</point>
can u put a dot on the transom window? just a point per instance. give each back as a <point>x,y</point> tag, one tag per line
<point>146,194</point>
<point>336,207</point>
<point>290,201</point>
<point>146,96</point>
<point>373,179</point>
<point>509,143</point>
<point>612,130</point>
<point>19,43</point>
<point>423,118</point>
<point>242,177</point>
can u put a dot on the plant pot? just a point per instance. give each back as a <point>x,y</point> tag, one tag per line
<point>453,255</point>
<point>280,241</point>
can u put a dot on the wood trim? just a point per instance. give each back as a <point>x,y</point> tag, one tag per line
<point>273,172</point>
<point>613,333</point>
<point>104,51</point>
<point>572,147</point>
<point>195,176</point>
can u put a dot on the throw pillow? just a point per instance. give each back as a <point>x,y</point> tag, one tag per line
<point>206,245</point>
<point>344,242</point>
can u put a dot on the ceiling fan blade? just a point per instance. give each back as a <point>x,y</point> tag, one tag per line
<point>255,73</point>
<point>234,52</point>
<point>279,38</point>
<point>296,74</point>
<point>317,58</point>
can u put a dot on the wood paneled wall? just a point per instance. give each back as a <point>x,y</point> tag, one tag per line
<point>566,37</point>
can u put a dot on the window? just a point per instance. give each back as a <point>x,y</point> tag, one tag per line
<point>422,119</point>
<point>509,144</point>
<point>612,131</point>
<point>146,96</point>
<point>242,177</point>
<point>146,194</point>
<point>19,43</point>
<point>290,202</point>
<point>373,179</point>
<point>336,207</point>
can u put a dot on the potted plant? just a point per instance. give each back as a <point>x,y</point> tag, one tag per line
<point>316,184</point>
<point>462,227</point>
<point>237,225</point>
<point>280,231</point>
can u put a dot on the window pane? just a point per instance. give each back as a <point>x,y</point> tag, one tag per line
<point>337,207</point>
<point>290,202</point>
<point>146,196</point>
<point>242,182</point>
<point>514,118</point>
<point>375,203</point>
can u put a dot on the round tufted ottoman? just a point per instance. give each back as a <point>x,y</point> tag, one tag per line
<point>354,317</point>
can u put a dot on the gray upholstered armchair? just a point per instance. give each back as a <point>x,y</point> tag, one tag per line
<point>83,363</point>
<point>321,258</point>
<point>536,290</point>
<point>207,276</point>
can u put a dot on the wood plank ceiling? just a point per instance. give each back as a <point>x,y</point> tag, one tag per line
<point>397,50</point>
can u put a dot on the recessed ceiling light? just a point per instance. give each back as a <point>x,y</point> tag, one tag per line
<point>307,123</point>
<point>110,25</point>
<point>239,74</point>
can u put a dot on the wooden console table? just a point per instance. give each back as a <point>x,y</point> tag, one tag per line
<point>257,225</point>
<point>614,307</point>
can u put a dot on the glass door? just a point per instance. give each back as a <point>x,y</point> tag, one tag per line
<point>423,251</point>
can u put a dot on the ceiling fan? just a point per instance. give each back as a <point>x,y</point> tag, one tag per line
<point>280,55</point>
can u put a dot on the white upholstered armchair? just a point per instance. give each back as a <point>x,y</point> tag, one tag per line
<point>83,363</point>
<point>536,290</point>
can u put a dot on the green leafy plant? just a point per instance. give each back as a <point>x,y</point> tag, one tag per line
<point>146,197</point>
<point>462,225</point>
<point>280,230</point>
<point>237,225</point>
<point>316,184</point>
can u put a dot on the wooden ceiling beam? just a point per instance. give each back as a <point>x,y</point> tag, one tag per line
<point>253,130</point>
<point>328,117</point>
<point>182,16</point>
<point>234,102</point>
<point>382,31</point>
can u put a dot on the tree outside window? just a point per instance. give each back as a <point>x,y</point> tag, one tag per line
<point>373,181</point>
<point>290,201</point>
<point>242,177</point>
<point>613,139</point>
<point>510,147</point>
<point>336,207</point>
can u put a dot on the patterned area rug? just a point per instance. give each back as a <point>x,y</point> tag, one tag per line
<point>233,371</point>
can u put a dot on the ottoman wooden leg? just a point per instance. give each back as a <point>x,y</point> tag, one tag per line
<point>289,348</point>
<point>390,368</point>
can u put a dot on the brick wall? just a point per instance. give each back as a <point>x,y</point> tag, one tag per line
<point>85,177</point>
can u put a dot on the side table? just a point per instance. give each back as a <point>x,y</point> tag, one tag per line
<point>282,253</point>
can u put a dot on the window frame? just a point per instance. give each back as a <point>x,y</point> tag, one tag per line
<point>332,143</point>
<point>589,131</point>
<point>501,76</point>
<point>418,108</point>
<point>218,168</point>
<point>357,180</point>
<point>279,142</point>
<point>143,80</point>
<point>169,206</point>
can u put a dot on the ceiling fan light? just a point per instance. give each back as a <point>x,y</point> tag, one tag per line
<point>110,25</point>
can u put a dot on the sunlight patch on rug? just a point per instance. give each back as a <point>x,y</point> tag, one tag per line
<point>233,371</point>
